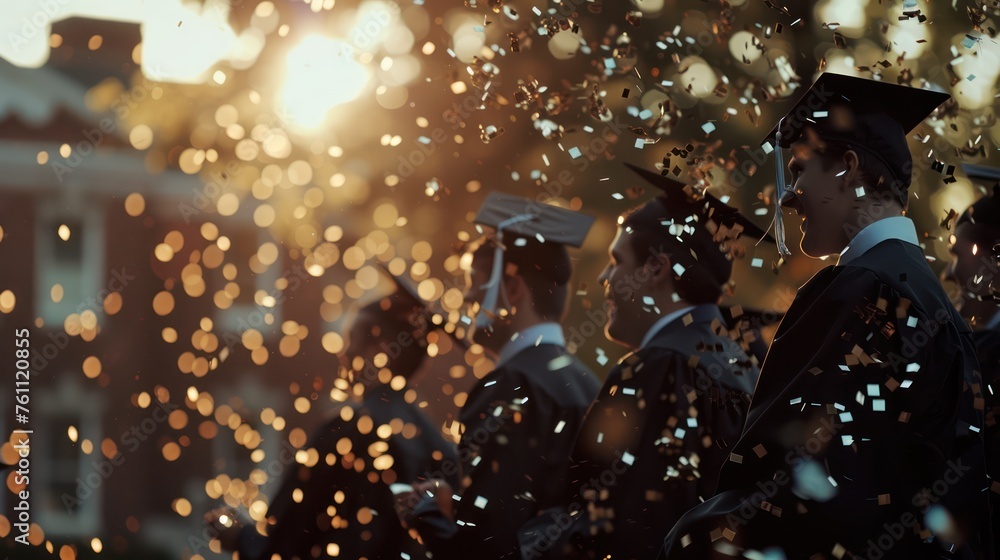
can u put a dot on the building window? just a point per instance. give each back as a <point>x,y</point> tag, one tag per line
<point>70,483</point>
<point>70,254</point>
<point>248,310</point>
<point>251,397</point>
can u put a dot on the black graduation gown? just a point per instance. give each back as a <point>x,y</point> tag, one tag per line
<point>866,416</point>
<point>988,346</point>
<point>652,443</point>
<point>354,489</point>
<point>520,422</point>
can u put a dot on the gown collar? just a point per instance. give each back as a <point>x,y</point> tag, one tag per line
<point>662,322</point>
<point>994,323</point>
<point>542,333</point>
<point>896,227</point>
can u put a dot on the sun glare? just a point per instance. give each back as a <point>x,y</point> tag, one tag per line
<point>321,73</point>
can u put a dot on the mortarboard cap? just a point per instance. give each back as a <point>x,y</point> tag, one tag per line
<point>677,193</point>
<point>870,116</point>
<point>986,210</point>
<point>406,291</point>
<point>527,218</point>
<point>532,236</point>
<point>982,173</point>
<point>681,216</point>
<point>839,105</point>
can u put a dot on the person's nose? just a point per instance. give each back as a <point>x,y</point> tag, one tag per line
<point>790,199</point>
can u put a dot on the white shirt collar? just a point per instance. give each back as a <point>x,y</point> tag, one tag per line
<point>896,227</point>
<point>663,322</point>
<point>542,333</point>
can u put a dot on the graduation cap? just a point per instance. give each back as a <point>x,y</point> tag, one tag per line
<point>676,193</point>
<point>986,210</point>
<point>982,173</point>
<point>531,235</point>
<point>869,116</point>
<point>406,291</point>
<point>683,214</point>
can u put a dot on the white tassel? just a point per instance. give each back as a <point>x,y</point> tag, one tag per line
<point>488,307</point>
<point>779,190</point>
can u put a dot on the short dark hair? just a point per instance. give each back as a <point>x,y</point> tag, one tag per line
<point>873,170</point>
<point>648,236</point>
<point>391,318</point>
<point>545,267</point>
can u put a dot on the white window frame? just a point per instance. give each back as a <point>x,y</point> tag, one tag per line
<point>68,398</point>
<point>238,316</point>
<point>48,272</point>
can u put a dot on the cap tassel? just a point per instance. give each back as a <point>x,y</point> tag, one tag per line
<point>488,307</point>
<point>780,189</point>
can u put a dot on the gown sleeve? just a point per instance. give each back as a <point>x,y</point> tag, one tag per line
<point>866,407</point>
<point>674,425</point>
<point>506,453</point>
<point>332,504</point>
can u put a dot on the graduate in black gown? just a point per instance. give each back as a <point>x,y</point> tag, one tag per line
<point>863,437</point>
<point>519,420</point>
<point>973,268</point>
<point>339,504</point>
<point>655,438</point>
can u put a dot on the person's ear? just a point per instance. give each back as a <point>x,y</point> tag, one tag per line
<point>851,178</point>
<point>661,268</point>
<point>517,290</point>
